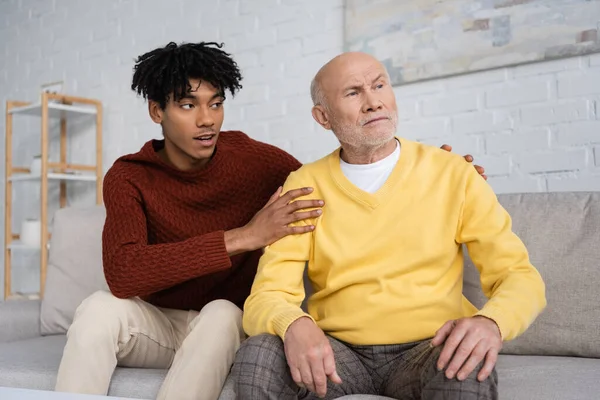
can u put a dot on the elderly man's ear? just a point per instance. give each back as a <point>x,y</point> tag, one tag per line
<point>480,170</point>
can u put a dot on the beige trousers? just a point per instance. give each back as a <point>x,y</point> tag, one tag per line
<point>198,348</point>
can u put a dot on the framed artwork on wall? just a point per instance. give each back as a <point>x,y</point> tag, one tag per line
<point>426,39</point>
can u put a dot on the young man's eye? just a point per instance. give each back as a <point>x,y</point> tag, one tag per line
<point>216,105</point>
<point>187,106</point>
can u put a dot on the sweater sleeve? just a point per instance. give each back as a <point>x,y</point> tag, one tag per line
<point>278,289</point>
<point>514,287</point>
<point>133,267</point>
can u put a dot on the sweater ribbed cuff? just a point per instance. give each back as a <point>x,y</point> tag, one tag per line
<point>214,252</point>
<point>495,315</point>
<point>282,322</point>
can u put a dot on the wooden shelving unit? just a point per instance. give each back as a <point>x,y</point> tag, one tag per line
<point>51,106</point>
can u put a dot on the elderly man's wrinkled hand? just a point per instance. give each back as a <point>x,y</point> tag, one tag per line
<point>469,158</point>
<point>467,342</point>
<point>309,356</point>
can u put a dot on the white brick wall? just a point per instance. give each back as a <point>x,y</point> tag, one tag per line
<point>534,127</point>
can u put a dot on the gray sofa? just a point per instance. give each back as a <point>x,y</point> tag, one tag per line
<point>557,358</point>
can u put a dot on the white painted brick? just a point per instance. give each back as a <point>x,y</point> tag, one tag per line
<point>419,89</point>
<point>241,25</point>
<point>263,111</point>
<point>282,52</point>
<point>517,92</point>
<point>300,28</point>
<point>583,183</point>
<point>548,67</point>
<point>255,40</point>
<point>517,184</point>
<point>262,75</point>
<point>424,129</point>
<point>291,131</point>
<point>499,165</point>
<point>476,80</point>
<point>251,94</point>
<point>514,143</point>
<point>291,87</point>
<point>322,41</point>
<point>299,106</point>
<point>565,111</point>
<point>111,27</point>
<point>258,6</point>
<point>39,8</point>
<point>583,84</point>
<point>481,122</point>
<point>555,161</point>
<point>578,133</point>
<point>461,144</point>
<point>595,60</point>
<point>284,14</point>
<point>407,109</point>
<point>246,59</point>
<point>308,66</point>
<point>450,104</point>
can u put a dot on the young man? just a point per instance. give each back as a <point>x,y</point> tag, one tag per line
<point>387,316</point>
<point>187,219</point>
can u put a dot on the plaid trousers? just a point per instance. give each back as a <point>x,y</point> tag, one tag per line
<point>404,371</point>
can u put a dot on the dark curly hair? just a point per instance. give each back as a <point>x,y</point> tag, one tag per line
<point>167,70</point>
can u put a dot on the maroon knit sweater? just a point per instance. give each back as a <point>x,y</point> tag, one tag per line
<point>163,238</point>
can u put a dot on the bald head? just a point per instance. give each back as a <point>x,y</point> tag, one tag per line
<point>330,74</point>
<point>353,97</point>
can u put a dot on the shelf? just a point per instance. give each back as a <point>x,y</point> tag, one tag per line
<point>16,245</point>
<point>54,176</point>
<point>23,296</point>
<point>55,110</point>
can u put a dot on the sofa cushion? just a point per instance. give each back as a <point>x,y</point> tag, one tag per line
<point>547,377</point>
<point>33,364</point>
<point>74,265</point>
<point>562,234</point>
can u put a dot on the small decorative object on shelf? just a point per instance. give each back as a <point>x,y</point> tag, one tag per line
<point>34,234</point>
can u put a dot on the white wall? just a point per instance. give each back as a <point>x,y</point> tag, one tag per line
<point>535,128</point>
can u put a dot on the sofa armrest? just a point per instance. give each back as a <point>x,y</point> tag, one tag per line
<point>19,319</point>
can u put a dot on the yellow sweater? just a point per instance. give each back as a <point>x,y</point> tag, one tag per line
<point>387,267</point>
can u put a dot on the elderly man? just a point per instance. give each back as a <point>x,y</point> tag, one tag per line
<point>387,315</point>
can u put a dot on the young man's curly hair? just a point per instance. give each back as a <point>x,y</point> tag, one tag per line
<point>166,71</point>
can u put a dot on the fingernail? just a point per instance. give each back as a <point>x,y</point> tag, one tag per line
<point>461,377</point>
<point>319,211</point>
<point>321,202</point>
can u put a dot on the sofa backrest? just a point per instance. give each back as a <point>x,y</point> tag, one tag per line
<point>560,230</point>
<point>562,234</point>
<point>74,265</point>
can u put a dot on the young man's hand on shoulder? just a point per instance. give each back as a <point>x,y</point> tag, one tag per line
<point>272,222</point>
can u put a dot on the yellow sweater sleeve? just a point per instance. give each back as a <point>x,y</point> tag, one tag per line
<point>278,289</point>
<point>514,287</point>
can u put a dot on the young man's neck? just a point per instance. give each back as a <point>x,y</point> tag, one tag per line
<point>178,159</point>
<point>369,155</point>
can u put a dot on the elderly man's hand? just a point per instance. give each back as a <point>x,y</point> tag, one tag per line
<point>480,170</point>
<point>309,356</point>
<point>467,342</point>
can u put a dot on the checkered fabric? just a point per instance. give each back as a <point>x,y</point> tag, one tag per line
<point>406,371</point>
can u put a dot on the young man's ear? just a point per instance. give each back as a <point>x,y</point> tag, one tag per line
<point>156,113</point>
<point>320,115</point>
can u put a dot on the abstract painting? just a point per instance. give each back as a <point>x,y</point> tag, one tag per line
<point>426,39</point>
